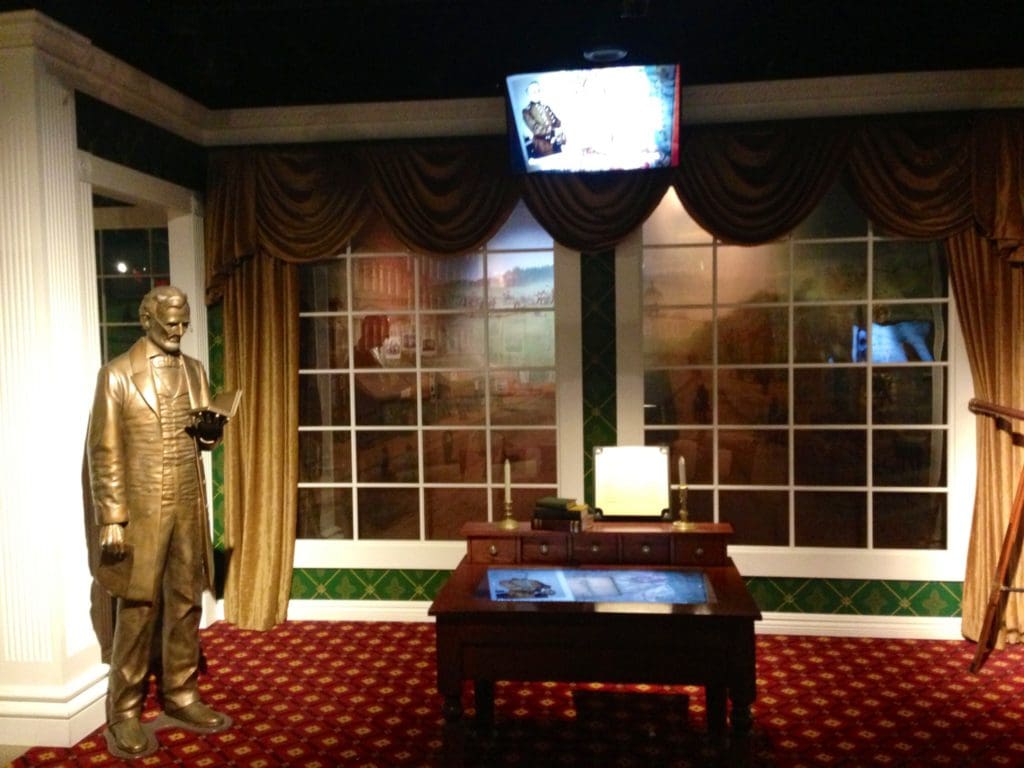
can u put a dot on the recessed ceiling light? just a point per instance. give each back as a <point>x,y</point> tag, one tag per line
<point>605,54</point>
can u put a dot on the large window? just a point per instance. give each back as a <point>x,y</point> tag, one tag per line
<point>805,382</point>
<point>419,377</point>
<point>130,261</point>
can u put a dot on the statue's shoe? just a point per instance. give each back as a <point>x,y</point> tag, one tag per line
<point>198,714</point>
<point>129,736</point>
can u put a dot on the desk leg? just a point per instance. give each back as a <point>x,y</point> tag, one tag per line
<point>449,672</point>
<point>715,700</point>
<point>483,691</point>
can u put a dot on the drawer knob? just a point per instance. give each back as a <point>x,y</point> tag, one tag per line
<point>595,548</point>
<point>493,550</point>
<point>645,548</point>
<point>543,549</point>
<point>699,552</point>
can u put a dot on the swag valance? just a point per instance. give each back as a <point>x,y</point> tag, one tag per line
<point>955,177</point>
<point>928,177</point>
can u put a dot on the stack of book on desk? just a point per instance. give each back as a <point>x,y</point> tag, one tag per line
<point>551,513</point>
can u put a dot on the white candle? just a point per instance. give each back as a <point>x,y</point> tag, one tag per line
<point>682,472</point>
<point>508,482</point>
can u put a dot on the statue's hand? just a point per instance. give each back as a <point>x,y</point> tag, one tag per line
<point>112,540</point>
<point>207,427</point>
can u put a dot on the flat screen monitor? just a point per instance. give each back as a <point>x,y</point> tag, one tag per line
<point>599,119</point>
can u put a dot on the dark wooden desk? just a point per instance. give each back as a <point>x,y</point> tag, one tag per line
<point>709,644</point>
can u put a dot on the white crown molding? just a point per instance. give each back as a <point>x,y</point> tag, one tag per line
<point>92,71</point>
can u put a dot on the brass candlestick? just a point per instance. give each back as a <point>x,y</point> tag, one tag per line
<point>682,522</point>
<point>509,523</point>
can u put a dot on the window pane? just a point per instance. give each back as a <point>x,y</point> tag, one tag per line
<point>389,513</point>
<point>909,395</point>
<point>670,223</point>
<point>677,396</point>
<point>826,334</point>
<point>693,445</point>
<point>531,452</point>
<point>159,251</point>
<point>833,395</point>
<point>907,269</point>
<point>453,282</point>
<point>452,341</point>
<point>121,298</point>
<point>830,271</point>
<point>753,335</point>
<point>125,252</point>
<point>830,456</point>
<point>909,520</point>
<point>323,342</point>
<point>520,231</point>
<point>384,341</point>
<point>323,400</point>
<point>523,397</point>
<point>324,513</point>
<point>448,509</point>
<point>325,456</point>
<point>674,276</point>
<point>322,287</point>
<point>825,519</point>
<point>835,216</point>
<point>700,505</point>
<point>677,337</point>
<point>910,457</point>
<point>454,397</point>
<point>119,338</point>
<point>382,283</point>
<point>454,456</point>
<point>522,339</point>
<point>754,457</point>
<point>907,332</point>
<point>385,398</point>
<point>387,457</point>
<point>758,517</point>
<point>753,273</point>
<point>519,280</point>
<point>753,396</point>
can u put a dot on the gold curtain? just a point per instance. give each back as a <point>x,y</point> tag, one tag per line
<point>990,301</point>
<point>261,320</point>
<point>947,176</point>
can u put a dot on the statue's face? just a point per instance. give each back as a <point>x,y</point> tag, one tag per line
<point>167,326</point>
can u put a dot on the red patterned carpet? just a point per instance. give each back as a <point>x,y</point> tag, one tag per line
<point>325,694</point>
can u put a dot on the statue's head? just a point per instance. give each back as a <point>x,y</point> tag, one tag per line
<point>164,314</point>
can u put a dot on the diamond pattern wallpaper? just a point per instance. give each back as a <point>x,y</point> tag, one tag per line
<point>862,597</point>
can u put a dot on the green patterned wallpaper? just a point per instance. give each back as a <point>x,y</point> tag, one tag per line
<point>861,597</point>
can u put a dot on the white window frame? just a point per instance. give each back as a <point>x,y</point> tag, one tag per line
<point>445,555</point>
<point>816,562</point>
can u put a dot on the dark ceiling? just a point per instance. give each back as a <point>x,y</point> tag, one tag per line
<point>236,53</point>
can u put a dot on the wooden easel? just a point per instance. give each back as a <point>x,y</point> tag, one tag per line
<point>1010,553</point>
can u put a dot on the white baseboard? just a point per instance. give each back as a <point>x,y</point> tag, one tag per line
<point>34,717</point>
<point>830,625</point>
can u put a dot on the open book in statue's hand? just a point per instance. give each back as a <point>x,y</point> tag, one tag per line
<point>208,422</point>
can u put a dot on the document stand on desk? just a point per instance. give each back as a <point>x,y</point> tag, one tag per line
<point>631,483</point>
<point>1010,553</point>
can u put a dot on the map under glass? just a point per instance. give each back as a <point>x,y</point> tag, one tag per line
<point>627,585</point>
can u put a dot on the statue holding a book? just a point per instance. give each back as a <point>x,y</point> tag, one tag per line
<point>152,415</point>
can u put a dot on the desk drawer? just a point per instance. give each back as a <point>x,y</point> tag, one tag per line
<point>493,550</point>
<point>693,549</point>
<point>646,549</point>
<point>595,548</point>
<point>553,548</point>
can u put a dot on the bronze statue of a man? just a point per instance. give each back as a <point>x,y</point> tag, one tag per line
<point>146,478</point>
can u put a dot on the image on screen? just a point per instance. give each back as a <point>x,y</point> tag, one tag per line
<point>627,585</point>
<point>599,119</point>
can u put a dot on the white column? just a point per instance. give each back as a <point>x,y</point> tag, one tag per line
<point>52,682</point>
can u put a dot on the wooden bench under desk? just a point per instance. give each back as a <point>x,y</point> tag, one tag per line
<point>605,543</point>
<point>709,644</point>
